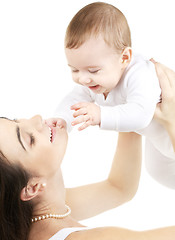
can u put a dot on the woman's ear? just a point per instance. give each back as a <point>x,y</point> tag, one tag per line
<point>33,188</point>
<point>126,55</point>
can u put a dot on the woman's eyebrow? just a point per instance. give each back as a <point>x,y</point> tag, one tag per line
<point>19,137</point>
<point>17,131</point>
<point>12,120</point>
<point>6,118</point>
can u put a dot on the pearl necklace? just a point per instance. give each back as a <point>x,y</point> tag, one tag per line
<point>56,216</point>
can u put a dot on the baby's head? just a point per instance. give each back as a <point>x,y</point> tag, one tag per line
<point>98,42</point>
<point>99,19</point>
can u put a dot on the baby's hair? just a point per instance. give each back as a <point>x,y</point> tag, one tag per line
<point>96,19</point>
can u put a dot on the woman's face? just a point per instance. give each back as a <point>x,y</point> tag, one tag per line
<point>32,143</point>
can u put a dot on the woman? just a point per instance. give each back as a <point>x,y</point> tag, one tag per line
<point>32,183</point>
<point>32,188</point>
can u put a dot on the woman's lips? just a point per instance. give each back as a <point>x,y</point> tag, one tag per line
<point>52,131</point>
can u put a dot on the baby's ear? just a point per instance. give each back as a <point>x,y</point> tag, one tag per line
<point>126,55</point>
<point>33,188</point>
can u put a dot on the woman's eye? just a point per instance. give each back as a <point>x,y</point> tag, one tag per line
<point>74,71</point>
<point>15,120</point>
<point>32,140</point>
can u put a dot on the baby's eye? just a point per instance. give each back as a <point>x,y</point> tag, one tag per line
<point>94,71</point>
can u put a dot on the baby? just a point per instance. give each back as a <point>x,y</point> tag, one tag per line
<point>116,89</point>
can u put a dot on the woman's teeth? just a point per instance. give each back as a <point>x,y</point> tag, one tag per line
<point>50,134</point>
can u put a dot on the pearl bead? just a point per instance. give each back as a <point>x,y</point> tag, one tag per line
<point>56,216</point>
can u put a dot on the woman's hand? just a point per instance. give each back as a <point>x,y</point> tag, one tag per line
<point>165,110</point>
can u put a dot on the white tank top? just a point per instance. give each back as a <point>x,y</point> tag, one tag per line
<point>65,232</point>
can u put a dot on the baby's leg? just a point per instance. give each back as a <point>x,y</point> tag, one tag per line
<point>159,166</point>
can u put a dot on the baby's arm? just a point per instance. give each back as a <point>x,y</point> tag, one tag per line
<point>86,113</point>
<point>141,92</point>
<point>64,111</point>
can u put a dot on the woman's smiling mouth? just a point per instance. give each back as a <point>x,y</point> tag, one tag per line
<point>50,137</point>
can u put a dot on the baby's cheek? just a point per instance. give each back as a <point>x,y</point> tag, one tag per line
<point>75,79</point>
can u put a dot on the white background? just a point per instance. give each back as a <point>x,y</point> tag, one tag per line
<point>34,77</point>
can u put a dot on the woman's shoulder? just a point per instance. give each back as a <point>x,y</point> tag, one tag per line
<point>86,234</point>
<point>103,233</point>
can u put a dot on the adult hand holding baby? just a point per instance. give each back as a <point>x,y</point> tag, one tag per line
<point>165,111</point>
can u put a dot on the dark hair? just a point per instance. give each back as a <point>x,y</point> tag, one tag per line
<point>15,214</point>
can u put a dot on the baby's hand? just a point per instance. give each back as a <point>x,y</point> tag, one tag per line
<point>86,113</point>
<point>56,122</point>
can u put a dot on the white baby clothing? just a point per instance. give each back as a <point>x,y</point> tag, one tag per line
<point>129,107</point>
<point>65,232</point>
<point>160,167</point>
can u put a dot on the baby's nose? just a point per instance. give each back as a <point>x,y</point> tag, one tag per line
<point>84,80</point>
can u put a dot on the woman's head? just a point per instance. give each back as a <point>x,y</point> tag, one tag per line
<point>33,144</point>
<point>29,153</point>
<point>96,19</point>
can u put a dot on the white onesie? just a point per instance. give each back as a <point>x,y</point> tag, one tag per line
<point>129,107</point>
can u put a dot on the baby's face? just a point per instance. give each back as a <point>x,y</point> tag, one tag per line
<point>96,65</point>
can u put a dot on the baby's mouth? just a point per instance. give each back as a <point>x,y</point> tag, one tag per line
<point>94,87</point>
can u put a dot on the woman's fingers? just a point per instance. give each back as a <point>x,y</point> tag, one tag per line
<point>163,78</point>
<point>164,112</point>
<point>170,75</point>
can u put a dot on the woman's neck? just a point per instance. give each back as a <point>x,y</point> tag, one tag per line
<point>51,200</point>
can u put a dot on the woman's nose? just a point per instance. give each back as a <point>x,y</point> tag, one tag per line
<point>37,121</point>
